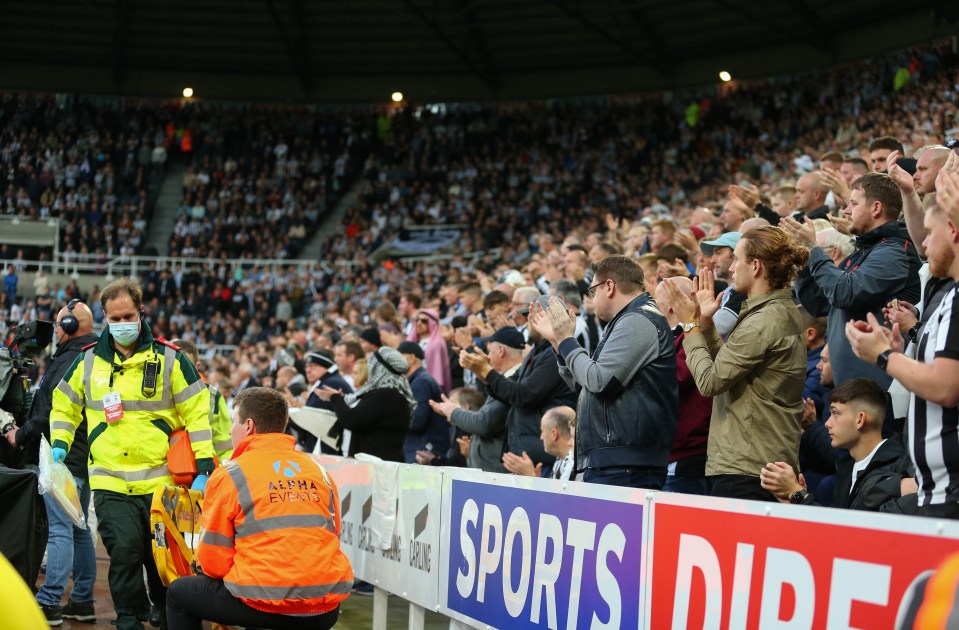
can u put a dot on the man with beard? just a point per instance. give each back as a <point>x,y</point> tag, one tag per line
<point>932,378</point>
<point>884,266</point>
<point>720,253</point>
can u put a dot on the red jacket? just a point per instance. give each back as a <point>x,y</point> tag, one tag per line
<point>271,526</point>
<point>695,411</point>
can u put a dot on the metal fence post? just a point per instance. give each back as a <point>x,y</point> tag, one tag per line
<point>417,620</point>
<point>380,605</point>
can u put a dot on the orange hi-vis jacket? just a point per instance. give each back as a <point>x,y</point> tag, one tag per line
<point>271,525</point>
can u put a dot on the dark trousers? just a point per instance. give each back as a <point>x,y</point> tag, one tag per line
<point>739,487</point>
<point>193,599</point>
<point>948,510</point>
<point>124,525</point>
<point>649,478</point>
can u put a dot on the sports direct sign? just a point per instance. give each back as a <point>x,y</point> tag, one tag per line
<point>509,552</point>
<point>532,557</point>
<point>729,569</point>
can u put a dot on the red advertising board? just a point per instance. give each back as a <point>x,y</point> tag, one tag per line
<point>719,570</point>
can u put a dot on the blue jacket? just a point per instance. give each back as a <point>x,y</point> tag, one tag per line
<point>814,388</point>
<point>429,431</point>
<point>884,266</point>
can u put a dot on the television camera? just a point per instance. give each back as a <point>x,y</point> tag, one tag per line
<point>16,363</point>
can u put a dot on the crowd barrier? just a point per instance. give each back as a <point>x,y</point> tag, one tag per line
<point>503,551</point>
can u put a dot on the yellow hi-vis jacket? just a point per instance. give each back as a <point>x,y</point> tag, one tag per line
<point>130,454</point>
<point>220,423</point>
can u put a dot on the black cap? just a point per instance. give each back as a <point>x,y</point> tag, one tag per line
<point>321,357</point>
<point>372,335</point>
<point>508,336</point>
<point>411,347</point>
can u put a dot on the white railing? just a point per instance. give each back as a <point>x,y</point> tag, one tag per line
<point>504,551</point>
<point>110,268</point>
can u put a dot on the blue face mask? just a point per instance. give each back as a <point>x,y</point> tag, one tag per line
<point>125,333</point>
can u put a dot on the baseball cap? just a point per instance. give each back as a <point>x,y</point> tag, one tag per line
<point>508,336</point>
<point>727,239</point>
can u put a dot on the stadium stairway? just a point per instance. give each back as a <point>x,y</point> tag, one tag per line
<point>164,212</point>
<point>329,223</point>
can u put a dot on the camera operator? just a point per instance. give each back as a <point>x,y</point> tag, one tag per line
<point>69,547</point>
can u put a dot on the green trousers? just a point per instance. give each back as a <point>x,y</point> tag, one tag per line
<point>124,526</point>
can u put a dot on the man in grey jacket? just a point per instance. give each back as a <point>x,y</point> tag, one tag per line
<point>628,404</point>
<point>488,424</point>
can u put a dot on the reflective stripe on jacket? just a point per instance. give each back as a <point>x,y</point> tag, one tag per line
<point>220,423</point>
<point>271,526</point>
<point>130,455</point>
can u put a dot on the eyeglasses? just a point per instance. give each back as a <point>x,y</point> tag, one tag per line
<point>422,320</point>
<point>591,292</point>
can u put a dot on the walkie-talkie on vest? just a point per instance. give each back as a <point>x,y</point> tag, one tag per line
<point>150,371</point>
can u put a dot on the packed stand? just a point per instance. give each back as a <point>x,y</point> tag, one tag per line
<point>92,166</point>
<point>260,178</point>
<point>559,197</point>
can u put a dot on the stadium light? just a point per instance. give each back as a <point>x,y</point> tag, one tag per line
<point>725,76</point>
<point>397,97</point>
<point>187,92</point>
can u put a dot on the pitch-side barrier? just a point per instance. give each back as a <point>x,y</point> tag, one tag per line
<point>510,552</point>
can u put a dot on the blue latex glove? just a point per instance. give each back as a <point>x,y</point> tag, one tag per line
<point>200,483</point>
<point>59,455</point>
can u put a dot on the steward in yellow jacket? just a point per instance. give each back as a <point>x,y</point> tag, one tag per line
<point>219,416</point>
<point>136,391</point>
<point>261,511</point>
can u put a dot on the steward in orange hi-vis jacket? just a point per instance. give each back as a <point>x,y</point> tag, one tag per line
<point>270,549</point>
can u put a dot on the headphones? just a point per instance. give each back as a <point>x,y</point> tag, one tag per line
<point>69,324</point>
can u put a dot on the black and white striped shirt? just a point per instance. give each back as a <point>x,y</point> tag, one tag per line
<point>933,429</point>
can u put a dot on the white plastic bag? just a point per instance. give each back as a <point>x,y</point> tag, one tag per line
<point>57,480</point>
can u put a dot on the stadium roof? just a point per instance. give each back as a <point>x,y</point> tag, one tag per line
<point>438,50</point>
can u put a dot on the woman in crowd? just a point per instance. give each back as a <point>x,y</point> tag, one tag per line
<point>378,414</point>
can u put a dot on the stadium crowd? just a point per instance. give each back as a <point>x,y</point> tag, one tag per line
<point>91,166</point>
<point>557,190</point>
<point>261,178</point>
<point>743,294</point>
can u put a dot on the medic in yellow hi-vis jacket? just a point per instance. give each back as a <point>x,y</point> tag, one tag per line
<point>219,416</point>
<point>136,390</point>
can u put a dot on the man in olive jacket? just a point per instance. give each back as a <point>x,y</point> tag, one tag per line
<point>756,377</point>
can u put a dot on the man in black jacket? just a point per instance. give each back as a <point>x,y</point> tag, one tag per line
<point>871,477</point>
<point>69,547</point>
<point>536,388</point>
